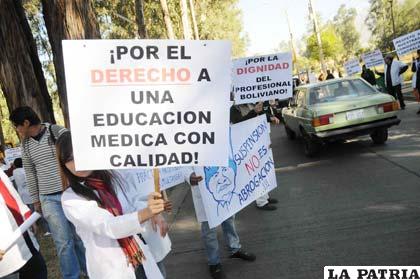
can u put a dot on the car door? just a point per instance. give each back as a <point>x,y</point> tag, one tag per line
<point>295,110</point>
<point>302,113</point>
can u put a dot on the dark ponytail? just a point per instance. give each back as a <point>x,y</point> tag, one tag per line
<point>65,154</point>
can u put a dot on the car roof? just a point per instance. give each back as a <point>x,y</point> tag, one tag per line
<point>326,82</point>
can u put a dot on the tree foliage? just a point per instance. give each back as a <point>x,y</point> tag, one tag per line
<point>332,44</point>
<point>344,24</point>
<point>379,21</point>
<point>216,19</point>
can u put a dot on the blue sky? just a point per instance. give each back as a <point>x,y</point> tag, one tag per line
<point>265,22</point>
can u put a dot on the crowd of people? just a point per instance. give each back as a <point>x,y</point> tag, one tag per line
<point>389,81</point>
<point>105,224</point>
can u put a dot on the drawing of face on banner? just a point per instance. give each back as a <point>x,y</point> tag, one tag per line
<point>221,183</point>
<point>250,172</point>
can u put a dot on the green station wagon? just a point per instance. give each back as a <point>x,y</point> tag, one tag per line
<point>337,110</point>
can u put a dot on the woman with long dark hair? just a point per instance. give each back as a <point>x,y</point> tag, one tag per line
<point>98,209</point>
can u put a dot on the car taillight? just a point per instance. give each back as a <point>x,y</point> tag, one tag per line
<point>323,120</point>
<point>387,107</point>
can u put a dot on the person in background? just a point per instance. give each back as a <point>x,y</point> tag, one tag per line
<point>392,73</point>
<point>45,186</point>
<point>329,75</point>
<point>20,181</point>
<point>415,68</point>
<point>239,113</point>
<point>368,75</point>
<point>321,76</point>
<point>209,235</point>
<point>24,257</point>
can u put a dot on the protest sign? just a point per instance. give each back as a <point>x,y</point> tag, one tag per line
<point>352,67</point>
<point>168,177</point>
<point>11,154</point>
<point>373,58</point>
<point>148,103</point>
<point>14,237</point>
<point>250,174</point>
<point>407,43</point>
<point>262,78</point>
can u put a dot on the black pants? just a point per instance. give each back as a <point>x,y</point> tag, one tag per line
<point>395,91</point>
<point>140,273</point>
<point>35,268</point>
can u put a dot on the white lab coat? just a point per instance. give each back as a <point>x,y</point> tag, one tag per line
<point>19,254</point>
<point>20,181</point>
<point>395,72</point>
<point>137,185</point>
<point>196,195</point>
<point>99,231</point>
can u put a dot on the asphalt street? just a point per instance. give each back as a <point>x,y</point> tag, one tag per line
<point>355,204</point>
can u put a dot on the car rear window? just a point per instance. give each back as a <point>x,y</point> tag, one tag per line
<point>340,90</point>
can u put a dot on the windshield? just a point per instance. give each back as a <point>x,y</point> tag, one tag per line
<point>337,91</point>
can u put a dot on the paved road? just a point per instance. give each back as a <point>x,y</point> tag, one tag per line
<point>357,204</point>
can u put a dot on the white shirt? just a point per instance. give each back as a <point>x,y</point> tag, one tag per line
<point>20,180</point>
<point>19,254</point>
<point>99,231</point>
<point>137,185</point>
<point>396,66</point>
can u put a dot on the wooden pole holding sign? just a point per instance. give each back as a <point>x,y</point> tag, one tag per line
<point>157,179</point>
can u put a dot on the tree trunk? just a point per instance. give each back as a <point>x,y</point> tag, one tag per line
<point>185,21</point>
<point>167,18</point>
<point>141,26</point>
<point>67,20</point>
<point>194,20</point>
<point>21,76</point>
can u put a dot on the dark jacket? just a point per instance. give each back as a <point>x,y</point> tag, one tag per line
<point>236,115</point>
<point>369,76</point>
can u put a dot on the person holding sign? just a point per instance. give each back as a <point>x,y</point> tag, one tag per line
<point>239,114</point>
<point>100,214</point>
<point>392,73</point>
<point>368,75</point>
<point>23,257</point>
<point>209,235</point>
<point>137,186</point>
<point>415,68</point>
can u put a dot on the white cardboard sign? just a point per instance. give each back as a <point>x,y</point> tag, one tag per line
<point>148,103</point>
<point>250,174</point>
<point>352,67</point>
<point>407,43</point>
<point>262,78</point>
<point>373,58</point>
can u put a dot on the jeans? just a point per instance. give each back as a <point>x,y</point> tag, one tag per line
<point>211,243</point>
<point>140,273</point>
<point>162,268</point>
<point>70,249</point>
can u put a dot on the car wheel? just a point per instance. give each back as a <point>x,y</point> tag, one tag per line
<point>290,134</point>
<point>311,147</point>
<point>379,136</point>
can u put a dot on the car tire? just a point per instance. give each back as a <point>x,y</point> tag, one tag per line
<point>311,146</point>
<point>290,134</point>
<point>379,136</point>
